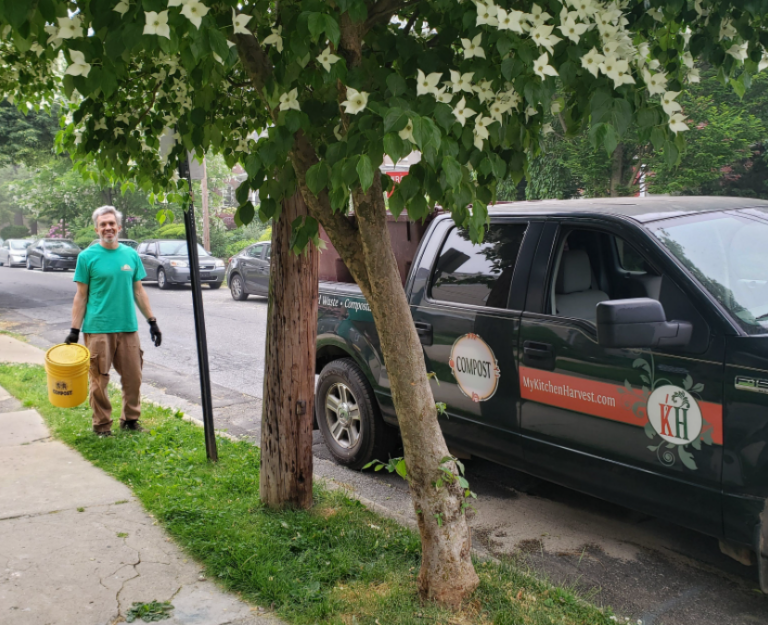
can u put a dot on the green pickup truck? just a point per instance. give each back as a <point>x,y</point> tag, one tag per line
<point>616,346</point>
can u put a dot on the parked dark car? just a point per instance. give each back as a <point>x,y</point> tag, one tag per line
<point>167,263</point>
<point>618,347</point>
<point>52,254</point>
<point>248,271</point>
<point>129,242</point>
<point>14,252</point>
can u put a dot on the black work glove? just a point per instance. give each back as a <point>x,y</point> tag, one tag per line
<point>73,336</point>
<point>154,332</point>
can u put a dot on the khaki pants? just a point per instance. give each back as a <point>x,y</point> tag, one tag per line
<point>123,350</point>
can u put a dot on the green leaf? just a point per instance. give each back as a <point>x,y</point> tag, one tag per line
<point>622,115</point>
<point>108,83</point>
<point>252,165</point>
<point>245,213</point>
<point>600,106</point>
<point>671,153</point>
<point>610,141</point>
<point>17,11</point>
<point>649,431</point>
<point>332,30</point>
<point>218,42</point>
<point>317,177</point>
<point>395,147</point>
<point>358,11</point>
<point>504,45</point>
<point>241,194</point>
<point>401,468</point>
<point>365,172</point>
<point>396,84</point>
<point>452,170</point>
<point>688,382</point>
<point>316,24</point>
<point>640,363</point>
<point>395,119</point>
<point>396,203</point>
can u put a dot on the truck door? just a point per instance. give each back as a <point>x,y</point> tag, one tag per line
<point>640,427</point>
<point>469,334</point>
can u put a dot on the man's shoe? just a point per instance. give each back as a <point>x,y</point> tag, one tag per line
<point>103,434</point>
<point>133,426</point>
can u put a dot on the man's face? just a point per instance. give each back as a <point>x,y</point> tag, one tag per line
<point>107,228</point>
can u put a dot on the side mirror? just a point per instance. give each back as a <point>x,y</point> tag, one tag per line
<point>639,322</point>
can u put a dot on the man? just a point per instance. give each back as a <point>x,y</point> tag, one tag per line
<point>108,278</point>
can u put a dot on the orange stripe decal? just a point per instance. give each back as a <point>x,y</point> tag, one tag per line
<point>603,400</point>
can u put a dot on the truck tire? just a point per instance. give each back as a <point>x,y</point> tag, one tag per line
<point>348,416</point>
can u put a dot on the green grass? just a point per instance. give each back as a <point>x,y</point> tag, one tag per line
<point>337,563</point>
<point>15,335</point>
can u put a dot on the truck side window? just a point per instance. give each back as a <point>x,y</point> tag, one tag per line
<point>479,275</point>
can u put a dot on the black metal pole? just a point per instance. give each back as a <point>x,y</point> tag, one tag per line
<point>197,306</point>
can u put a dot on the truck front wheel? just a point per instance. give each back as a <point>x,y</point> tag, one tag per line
<point>349,418</point>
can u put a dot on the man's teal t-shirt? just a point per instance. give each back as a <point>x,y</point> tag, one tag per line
<point>110,275</point>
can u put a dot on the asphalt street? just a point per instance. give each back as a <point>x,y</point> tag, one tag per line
<point>645,568</point>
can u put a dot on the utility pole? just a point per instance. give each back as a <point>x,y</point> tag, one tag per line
<point>206,220</point>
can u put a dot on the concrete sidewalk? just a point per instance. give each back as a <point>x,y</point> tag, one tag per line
<point>76,547</point>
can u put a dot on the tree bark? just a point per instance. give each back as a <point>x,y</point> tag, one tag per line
<point>447,574</point>
<point>617,167</point>
<point>289,376</point>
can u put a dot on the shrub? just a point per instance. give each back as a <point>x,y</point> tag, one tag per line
<point>170,231</point>
<point>237,246</point>
<point>14,232</point>
<point>266,235</point>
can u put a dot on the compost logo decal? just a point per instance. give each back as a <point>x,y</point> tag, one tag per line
<point>673,413</point>
<point>475,368</point>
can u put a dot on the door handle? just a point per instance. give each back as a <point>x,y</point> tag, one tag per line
<point>538,355</point>
<point>424,330</point>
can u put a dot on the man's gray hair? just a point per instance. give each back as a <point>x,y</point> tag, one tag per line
<point>103,210</point>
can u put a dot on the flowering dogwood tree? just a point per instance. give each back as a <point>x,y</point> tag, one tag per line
<point>331,86</point>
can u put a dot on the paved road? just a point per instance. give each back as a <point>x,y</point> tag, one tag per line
<point>644,568</point>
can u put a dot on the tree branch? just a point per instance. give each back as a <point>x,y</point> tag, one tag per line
<point>383,10</point>
<point>254,60</point>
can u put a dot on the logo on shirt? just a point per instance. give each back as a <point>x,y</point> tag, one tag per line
<point>126,267</point>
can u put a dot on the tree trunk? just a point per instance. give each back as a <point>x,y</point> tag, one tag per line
<point>447,574</point>
<point>617,167</point>
<point>18,218</point>
<point>289,376</point>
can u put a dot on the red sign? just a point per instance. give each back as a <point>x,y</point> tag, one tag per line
<point>397,178</point>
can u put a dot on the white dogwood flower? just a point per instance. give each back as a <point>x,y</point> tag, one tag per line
<point>118,131</point>
<point>473,48</point>
<point>240,23</point>
<point>738,52</point>
<point>542,68</point>
<point>544,38</point>
<point>442,95</point>
<point>656,14</point>
<point>275,39</point>
<point>194,12</point>
<point>727,31</point>
<point>585,9</point>
<point>693,76</point>
<point>688,60</point>
<point>121,7</point>
<point>497,110</point>
<point>617,70</point>
<point>762,65</point>
<point>157,24</point>
<point>406,134</point>
<point>547,129</point>
<point>78,66</point>
<point>530,112</point>
<point>486,14</point>
<point>356,101</point>
<point>326,58</point>
<point>514,20</point>
<point>461,82</point>
<point>484,91</point>
<point>591,61</point>
<point>572,29</point>
<point>427,85</point>
<point>290,100</point>
<point>656,83</point>
<point>462,113</point>
<point>538,16</point>
<point>100,125</point>
<point>677,123</point>
<point>668,103</point>
<point>70,27</point>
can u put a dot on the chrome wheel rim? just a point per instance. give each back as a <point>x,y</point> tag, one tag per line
<point>237,287</point>
<point>342,414</point>
<point>161,279</point>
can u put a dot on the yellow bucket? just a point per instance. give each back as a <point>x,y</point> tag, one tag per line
<point>67,368</point>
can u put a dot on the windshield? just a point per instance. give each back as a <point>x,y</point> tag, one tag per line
<point>129,243</point>
<point>179,248</point>
<point>728,255</point>
<point>19,245</point>
<point>61,246</point>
